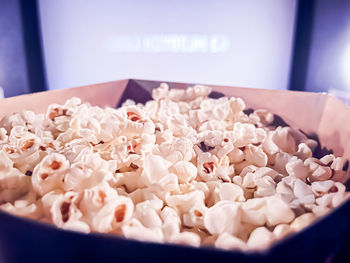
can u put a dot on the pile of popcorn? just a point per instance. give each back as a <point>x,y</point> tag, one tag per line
<point>183,168</point>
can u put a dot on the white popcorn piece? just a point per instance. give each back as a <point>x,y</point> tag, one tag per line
<point>147,215</point>
<point>49,173</point>
<point>265,186</point>
<point>171,222</point>
<point>285,192</point>
<point>27,206</point>
<point>93,199</point>
<point>154,169</point>
<point>319,172</point>
<point>319,210</point>
<point>185,171</point>
<point>277,212</point>
<point>195,216</point>
<point>297,169</point>
<point>230,218</point>
<point>13,183</point>
<point>284,139</point>
<point>246,133</point>
<point>282,230</point>
<point>322,186</point>
<point>236,155</point>
<point>113,215</point>
<point>184,202</point>
<point>161,92</point>
<point>66,214</point>
<point>186,238</point>
<point>228,191</point>
<point>253,211</point>
<point>255,155</point>
<point>303,192</point>
<point>304,152</point>
<point>265,117</point>
<point>260,238</point>
<point>135,230</point>
<point>302,221</point>
<point>227,241</point>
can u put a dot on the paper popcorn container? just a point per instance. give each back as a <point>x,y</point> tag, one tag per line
<point>320,116</point>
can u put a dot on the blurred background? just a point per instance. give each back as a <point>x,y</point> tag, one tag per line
<point>271,44</point>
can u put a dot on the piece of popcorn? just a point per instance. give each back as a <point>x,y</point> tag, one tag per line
<point>260,238</point>
<point>277,211</point>
<point>265,117</point>
<point>297,169</point>
<point>302,221</point>
<point>184,202</point>
<point>227,241</point>
<point>230,218</point>
<point>340,173</point>
<point>253,211</point>
<point>147,215</point>
<point>185,171</point>
<point>228,191</point>
<point>304,152</point>
<point>113,215</point>
<point>154,168</point>
<point>195,216</point>
<point>322,186</point>
<point>255,155</point>
<point>93,199</point>
<point>282,230</point>
<point>49,173</point>
<point>171,222</point>
<point>285,192</point>
<point>186,238</point>
<point>161,92</point>
<point>135,230</point>
<point>246,133</point>
<point>265,186</point>
<point>303,192</point>
<point>318,172</point>
<point>65,213</point>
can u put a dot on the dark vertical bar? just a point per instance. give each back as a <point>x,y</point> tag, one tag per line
<point>33,45</point>
<point>302,44</point>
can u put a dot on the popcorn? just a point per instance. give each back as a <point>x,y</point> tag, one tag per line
<point>230,218</point>
<point>13,183</point>
<point>302,221</point>
<point>65,213</point>
<point>228,191</point>
<point>49,173</point>
<point>255,156</point>
<point>154,168</point>
<point>227,241</point>
<point>185,171</point>
<point>186,238</point>
<point>277,211</point>
<point>147,215</point>
<point>303,192</point>
<point>319,172</point>
<point>254,211</point>
<point>260,238</point>
<point>113,214</point>
<point>171,222</point>
<point>183,168</point>
<point>136,230</point>
<point>195,216</point>
<point>282,230</point>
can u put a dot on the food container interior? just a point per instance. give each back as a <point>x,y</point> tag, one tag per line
<point>318,115</point>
